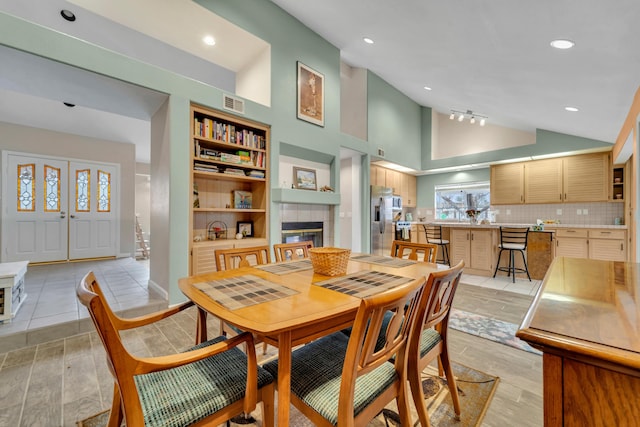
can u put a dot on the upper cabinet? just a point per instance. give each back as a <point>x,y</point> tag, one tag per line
<point>581,178</point>
<point>507,184</point>
<point>403,185</point>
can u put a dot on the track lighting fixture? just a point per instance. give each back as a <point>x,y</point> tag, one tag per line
<point>461,115</point>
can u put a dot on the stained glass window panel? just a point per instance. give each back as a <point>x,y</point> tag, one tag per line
<point>104,191</point>
<point>26,190</point>
<point>52,189</point>
<point>83,190</point>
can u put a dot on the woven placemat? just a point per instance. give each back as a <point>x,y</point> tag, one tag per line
<point>286,267</point>
<point>243,291</point>
<point>364,283</point>
<point>383,260</point>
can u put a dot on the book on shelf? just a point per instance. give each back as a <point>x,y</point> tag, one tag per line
<point>242,199</point>
<point>255,174</point>
<point>234,171</point>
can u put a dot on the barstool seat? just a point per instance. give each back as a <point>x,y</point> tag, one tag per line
<point>434,236</point>
<point>513,240</point>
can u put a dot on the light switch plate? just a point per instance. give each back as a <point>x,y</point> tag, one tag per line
<point>585,211</point>
<point>508,211</point>
<point>579,212</point>
<point>558,211</point>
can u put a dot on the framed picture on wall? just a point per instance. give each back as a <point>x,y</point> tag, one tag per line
<point>304,179</point>
<point>310,95</point>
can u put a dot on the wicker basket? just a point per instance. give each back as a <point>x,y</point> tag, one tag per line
<point>329,261</point>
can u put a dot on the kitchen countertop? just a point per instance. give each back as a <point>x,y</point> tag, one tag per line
<point>547,227</point>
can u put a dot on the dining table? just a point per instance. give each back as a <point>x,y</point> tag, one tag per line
<point>287,304</point>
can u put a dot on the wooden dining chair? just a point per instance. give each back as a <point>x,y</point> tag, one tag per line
<point>426,252</point>
<point>433,234</point>
<point>292,251</point>
<point>210,383</point>
<point>429,338</point>
<point>229,259</point>
<point>347,381</point>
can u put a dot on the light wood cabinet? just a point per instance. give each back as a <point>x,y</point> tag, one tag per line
<point>602,244</point>
<point>507,184</point>
<point>543,181</point>
<point>475,247</point>
<point>607,245</point>
<point>408,190</point>
<point>581,178</point>
<point>378,176</point>
<point>229,176</point>
<point>586,178</point>
<point>403,185</point>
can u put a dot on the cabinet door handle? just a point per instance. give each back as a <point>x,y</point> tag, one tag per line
<point>621,246</point>
<point>560,196</point>
<point>471,236</point>
<point>605,232</point>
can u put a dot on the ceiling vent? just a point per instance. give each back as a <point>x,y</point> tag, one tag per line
<point>380,152</point>
<point>233,104</point>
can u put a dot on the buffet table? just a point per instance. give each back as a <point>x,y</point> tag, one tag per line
<point>586,321</point>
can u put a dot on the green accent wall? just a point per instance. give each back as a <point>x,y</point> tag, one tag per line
<point>426,183</point>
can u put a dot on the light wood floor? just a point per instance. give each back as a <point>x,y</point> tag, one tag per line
<point>62,381</point>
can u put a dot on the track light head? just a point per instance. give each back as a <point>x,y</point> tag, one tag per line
<point>469,114</point>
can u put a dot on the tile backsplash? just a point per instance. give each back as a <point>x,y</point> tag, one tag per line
<point>601,213</point>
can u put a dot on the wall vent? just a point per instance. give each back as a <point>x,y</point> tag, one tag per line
<point>233,104</point>
<point>380,152</point>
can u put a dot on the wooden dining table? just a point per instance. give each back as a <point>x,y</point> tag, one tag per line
<point>287,304</point>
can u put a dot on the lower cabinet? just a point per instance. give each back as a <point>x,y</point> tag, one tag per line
<point>476,247</point>
<point>203,258</point>
<point>602,244</point>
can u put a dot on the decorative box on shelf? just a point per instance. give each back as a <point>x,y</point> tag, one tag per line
<point>12,290</point>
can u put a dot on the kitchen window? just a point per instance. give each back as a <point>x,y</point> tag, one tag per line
<point>454,200</point>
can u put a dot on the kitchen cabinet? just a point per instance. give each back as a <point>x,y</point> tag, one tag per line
<point>229,177</point>
<point>403,185</point>
<point>586,178</point>
<point>607,245</point>
<point>581,178</point>
<point>543,181</point>
<point>602,244</point>
<point>378,176</point>
<point>618,180</point>
<point>408,190</point>
<point>572,242</point>
<point>507,184</point>
<point>476,247</point>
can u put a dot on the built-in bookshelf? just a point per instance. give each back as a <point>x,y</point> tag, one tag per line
<point>229,178</point>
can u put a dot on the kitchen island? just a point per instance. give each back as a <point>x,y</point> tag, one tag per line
<point>585,319</point>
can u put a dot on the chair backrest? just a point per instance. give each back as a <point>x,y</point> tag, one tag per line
<point>228,259</point>
<point>364,351</point>
<point>121,363</point>
<point>426,252</point>
<point>514,236</point>
<point>435,307</point>
<point>433,232</point>
<point>291,251</point>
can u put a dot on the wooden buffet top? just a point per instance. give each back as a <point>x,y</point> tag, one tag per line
<point>590,308</point>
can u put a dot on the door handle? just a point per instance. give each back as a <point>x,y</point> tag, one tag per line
<point>72,216</point>
<point>63,214</point>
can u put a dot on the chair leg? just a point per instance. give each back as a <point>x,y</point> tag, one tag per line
<point>497,263</point>
<point>116,415</point>
<point>526,268</point>
<point>446,255</point>
<point>268,407</point>
<point>264,348</point>
<point>415,384</point>
<point>451,380</point>
<point>512,265</point>
<point>402,401</point>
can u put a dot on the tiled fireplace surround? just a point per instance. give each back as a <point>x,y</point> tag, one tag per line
<point>297,212</point>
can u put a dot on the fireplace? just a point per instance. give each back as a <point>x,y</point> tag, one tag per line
<point>302,231</point>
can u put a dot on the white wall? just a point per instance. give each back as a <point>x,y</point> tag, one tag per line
<point>350,204</point>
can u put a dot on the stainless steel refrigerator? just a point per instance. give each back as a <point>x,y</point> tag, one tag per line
<point>381,220</point>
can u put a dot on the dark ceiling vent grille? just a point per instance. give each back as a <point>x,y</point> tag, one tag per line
<point>233,104</point>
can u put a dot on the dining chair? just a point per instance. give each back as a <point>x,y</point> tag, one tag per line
<point>433,233</point>
<point>229,259</point>
<point>345,381</point>
<point>429,338</point>
<point>209,383</point>
<point>414,251</point>
<point>292,251</point>
<point>513,239</point>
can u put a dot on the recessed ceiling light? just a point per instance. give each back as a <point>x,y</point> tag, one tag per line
<point>572,109</point>
<point>68,15</point>
<point>368,40</point>
<point>209,40</point>
<point>562,44</point>
<point>427,88</point>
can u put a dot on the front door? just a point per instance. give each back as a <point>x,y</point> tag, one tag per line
<point>58,210</point>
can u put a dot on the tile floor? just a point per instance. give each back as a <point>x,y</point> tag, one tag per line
<point>64,378</point>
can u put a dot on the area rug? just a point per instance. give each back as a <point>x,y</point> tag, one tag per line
<point>475,389</point>
<point>491,329</point>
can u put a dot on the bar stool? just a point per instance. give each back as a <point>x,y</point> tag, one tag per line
<point>434,236</point>
<point>513,240</point>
